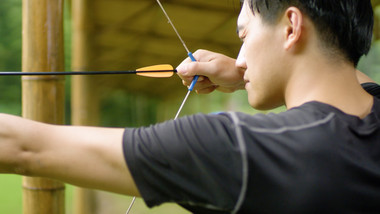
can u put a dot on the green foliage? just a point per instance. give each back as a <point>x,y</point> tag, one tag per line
<point>120,109</point>
<point>10,55</point>
<point>10,34</point>
<point>370,64</point>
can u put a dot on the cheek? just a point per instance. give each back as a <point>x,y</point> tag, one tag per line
<point>255,64</point>
<point>255,52</point>
<point>261,58</point>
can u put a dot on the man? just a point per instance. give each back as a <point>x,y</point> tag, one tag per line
<point>320,156</point>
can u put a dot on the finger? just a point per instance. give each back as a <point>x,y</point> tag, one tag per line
<point>187,81</point>
<point>200,56</point>
<point>186,60</point>
<point>190,68</point>
<point>203,55</point>
<point>206,90</point>
<point>201,83</point>
<point>196,68</point>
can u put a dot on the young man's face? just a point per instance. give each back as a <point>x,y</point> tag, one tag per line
<point>260,56</point>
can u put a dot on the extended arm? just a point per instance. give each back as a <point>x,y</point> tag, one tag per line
<point>84,156</point>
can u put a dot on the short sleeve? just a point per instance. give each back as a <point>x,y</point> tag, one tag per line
<point>372,88</point>
<point>194,161</point>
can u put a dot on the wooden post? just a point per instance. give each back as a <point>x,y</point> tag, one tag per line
<point>84,98</point>
<point>43,97</point>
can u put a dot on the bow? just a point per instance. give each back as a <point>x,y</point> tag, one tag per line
<point>191,87</point>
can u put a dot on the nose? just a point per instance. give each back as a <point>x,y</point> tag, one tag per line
<point>240,61</point>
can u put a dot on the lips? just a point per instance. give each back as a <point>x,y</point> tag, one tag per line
<point>246,81</point>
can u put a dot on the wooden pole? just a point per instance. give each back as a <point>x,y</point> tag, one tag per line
<point>85,98</point>
<point>43,96</point>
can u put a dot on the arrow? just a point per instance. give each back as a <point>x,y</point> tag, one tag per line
<point>156,71</point>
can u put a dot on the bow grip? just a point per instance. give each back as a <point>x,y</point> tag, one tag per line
<point>195,77</point>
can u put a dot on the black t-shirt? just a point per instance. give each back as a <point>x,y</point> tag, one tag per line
<point>309,159</point>
<point>372,88</point>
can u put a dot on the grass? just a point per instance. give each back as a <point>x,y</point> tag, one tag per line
<point>10,194</point>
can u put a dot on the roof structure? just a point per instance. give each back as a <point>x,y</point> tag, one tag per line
<point>127,34</point>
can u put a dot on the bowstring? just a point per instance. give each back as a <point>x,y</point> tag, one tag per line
<point>189,91</point>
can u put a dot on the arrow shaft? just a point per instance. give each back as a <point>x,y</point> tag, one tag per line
<point>19,73</point>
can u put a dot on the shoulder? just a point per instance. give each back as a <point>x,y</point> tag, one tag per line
<point>372,88</point>
<point>309,114</point>
<point>230,126</point>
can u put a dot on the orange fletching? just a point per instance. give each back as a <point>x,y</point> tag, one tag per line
<point>158,71</point>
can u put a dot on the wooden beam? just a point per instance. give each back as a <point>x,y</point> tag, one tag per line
<point>43,97</point>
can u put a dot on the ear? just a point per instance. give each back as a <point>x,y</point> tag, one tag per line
<point>293,20</point>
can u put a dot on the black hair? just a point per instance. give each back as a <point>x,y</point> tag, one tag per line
<point>344,26</point>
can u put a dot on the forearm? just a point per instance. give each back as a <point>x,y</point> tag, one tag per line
<point>84,156</point>
<point>12,149</point>
<point>22,143</point>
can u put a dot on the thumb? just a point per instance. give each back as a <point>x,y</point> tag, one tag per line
<point>194,68</point>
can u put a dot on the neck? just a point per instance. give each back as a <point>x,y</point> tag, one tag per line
<point>335,84</point>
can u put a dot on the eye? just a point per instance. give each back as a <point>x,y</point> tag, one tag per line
<point>242,36</point>
<point>241,32</point>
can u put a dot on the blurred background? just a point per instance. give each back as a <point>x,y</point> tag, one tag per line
<point>124,35</point>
